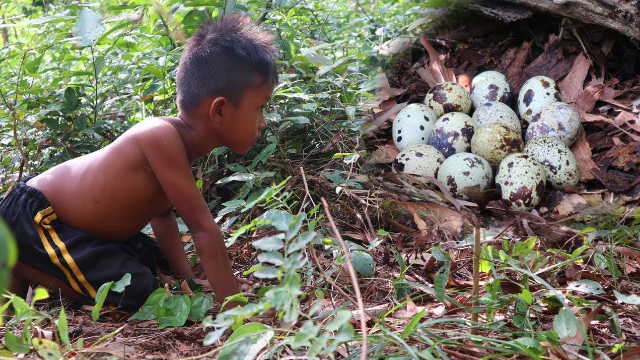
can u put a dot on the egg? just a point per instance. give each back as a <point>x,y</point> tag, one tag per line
<point>495,141</point>
<point>490,86</point>
<point>495,111</point>
<point>422,160</point>
<point>536,93</point>
<point>448,97</point>
<point>560,165</point>
<point>463,170</point>
<point>557,119</point>
<point>521,180</point>
<point>413,125</point>
<point>452,133</point>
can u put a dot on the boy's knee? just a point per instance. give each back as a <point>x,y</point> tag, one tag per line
<point>136,293</point>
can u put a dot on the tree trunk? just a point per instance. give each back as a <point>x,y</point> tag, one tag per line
<point>620,15</point>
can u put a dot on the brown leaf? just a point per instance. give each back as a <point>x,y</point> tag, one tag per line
<point>586,320</point>
<point>572,204</point>
<point>438,70</point>
<point>481,198</point>
<point>383,116</point>
<point>586,99</point>
<point>610,181</point>
<point>427,76</point>
<point>385,154</point>
<point>573,83</point>
<point>543,63</point>
<point>582,152</point>
<point>625,156</point>
<point>514,70</point>
<point>562,68</point>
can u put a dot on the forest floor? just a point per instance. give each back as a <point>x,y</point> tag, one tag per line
<point>597,71</point>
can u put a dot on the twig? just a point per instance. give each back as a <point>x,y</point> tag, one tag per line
<point>306,189</point>
<point>476,276</point>
<point>15,131</point>
<point>354,279</point>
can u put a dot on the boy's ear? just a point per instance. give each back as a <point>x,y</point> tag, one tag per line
<point>218,107</point>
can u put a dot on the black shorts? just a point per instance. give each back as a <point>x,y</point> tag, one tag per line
<point>81,260</point>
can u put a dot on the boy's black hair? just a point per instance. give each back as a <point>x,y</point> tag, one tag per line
<point>222,58</point>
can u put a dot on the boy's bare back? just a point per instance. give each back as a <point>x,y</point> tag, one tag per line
<point>113,193</point>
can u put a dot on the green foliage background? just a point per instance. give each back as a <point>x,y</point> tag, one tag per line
<point>61,100</point>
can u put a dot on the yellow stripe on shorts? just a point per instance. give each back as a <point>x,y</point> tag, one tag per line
<point>52,253</point>
<point>66,255</point>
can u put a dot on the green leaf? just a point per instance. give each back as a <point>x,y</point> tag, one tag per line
<point>198,3</point>
<point>440,282</point>
<point>627,299</point>
<point>258,336</point>
<point>586,287</point>
<point>40,294</point>
<point>281,220</point>
<point>270,243</point>
<point>274,258</point>
<point>299,120</point>
<point>565,323</point>
<point>296,225</point>
<point>413,323</point>
<point>363,263</point>
<point>266,272</point>
<point>176,311</point>
<point>21,310</point>
<point>70,99</point>
<point>342,317</point>
<point>8,255</point>
<point>101,296</point>
<point>47,349</point>
<point>530,343</point>
<point>63,328</point>
<point>193,19</point>
<point>301,241</point>
<point>307,332</point>
<point>89,27</point>
<point>526,296</point>
<point>316,59</point>
<point>150,307</point>
<point>200,304</point>
<point>119,285</point>
<point>213,336</point>
<point>16,344</point>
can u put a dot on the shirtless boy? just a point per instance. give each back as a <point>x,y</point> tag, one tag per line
<point>80,221</point>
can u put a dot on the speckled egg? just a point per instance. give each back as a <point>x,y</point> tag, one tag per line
<point>448,97</point>
<point>423,160</point>
<point>536,93</point>
<point>413,125</point>
<point>557,119</point>
<point>463,170</point>
<point>560,165</point>
<point>521,180</point>
<point>490,86</point>
<point>452,133</point>
<point>495,141</point>
<point>495,111</point>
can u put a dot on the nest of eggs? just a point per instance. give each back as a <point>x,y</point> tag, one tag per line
<point>443,138</point>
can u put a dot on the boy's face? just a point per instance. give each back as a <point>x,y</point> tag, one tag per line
<point>247,118</point>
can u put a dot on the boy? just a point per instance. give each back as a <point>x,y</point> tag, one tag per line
<point>79,222</point>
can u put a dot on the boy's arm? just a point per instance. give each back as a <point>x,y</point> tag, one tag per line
<point>164,150</point>
<point>165,230</point>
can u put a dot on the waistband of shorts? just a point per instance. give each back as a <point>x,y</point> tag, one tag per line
<point>32,193</point>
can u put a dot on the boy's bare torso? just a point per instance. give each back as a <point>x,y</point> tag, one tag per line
<point>111,193</point>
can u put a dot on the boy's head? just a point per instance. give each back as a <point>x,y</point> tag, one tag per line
<point>224,59</point>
